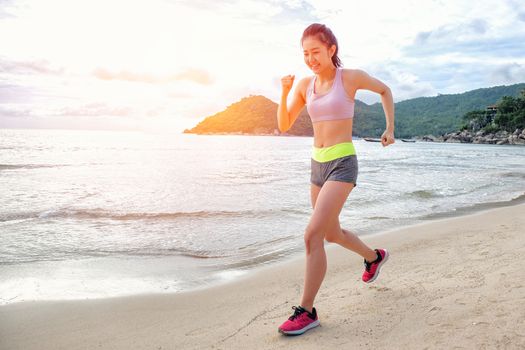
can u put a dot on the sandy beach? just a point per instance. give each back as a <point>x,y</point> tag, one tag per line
<point>453,283</point>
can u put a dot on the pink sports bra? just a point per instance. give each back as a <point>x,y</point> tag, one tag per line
<point>332,105</point>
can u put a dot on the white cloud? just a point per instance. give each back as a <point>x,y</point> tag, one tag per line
<point>183,59</point>
<point>505,73</point>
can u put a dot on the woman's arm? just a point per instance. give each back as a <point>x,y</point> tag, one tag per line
<point>285,118</point>
<point>364,81</point>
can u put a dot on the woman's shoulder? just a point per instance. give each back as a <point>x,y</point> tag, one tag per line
<point>354,72</point>
<point>305,82</point>
<point>308,79</point>
<point>352,75</point>
<point>351,71</point>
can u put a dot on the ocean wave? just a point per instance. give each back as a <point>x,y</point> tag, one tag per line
<point>456,211</point>
<point>86,253</point>
<point>193,253</point>
<point>257,245</point>
<point>519,175</point>
<point>112,215</point>
<point>425,194</point>
<point>152,252</point>
<point>29,166</point>
<point>261,258</point>
<point>379,217</point>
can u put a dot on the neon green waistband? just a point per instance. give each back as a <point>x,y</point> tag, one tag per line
<point>325,154</point>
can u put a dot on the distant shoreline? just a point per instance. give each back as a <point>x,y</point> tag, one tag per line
<point>498,138</point>
<point>455,137</point>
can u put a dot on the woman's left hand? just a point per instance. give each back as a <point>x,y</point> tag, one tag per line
<point>387,138</point>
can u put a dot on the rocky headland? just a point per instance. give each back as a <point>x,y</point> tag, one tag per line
<point>498,138</point>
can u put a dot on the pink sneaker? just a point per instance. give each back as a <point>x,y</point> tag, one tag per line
<point>372,268</point>
<point>299,322</point>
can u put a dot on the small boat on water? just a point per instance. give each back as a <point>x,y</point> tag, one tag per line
<point>370,139</point>
<point>406,140</point>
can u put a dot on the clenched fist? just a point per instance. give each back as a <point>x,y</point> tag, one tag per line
<point>287,83</point>
<point>387,138</point>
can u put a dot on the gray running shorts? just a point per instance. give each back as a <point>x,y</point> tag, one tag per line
<point>340,169</point>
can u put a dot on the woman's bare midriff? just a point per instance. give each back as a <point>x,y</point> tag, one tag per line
<point>330,132</point>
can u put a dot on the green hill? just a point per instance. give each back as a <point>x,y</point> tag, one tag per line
<point>436,115</point>
<point>443,113</point>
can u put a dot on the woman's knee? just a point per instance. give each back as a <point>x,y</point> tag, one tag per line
<point>333,232</point>
<point>332,236</point>
<point>313,238</point>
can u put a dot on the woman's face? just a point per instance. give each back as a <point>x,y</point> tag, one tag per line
<point>316,55</point>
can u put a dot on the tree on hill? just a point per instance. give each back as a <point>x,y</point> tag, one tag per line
<point>509,116</point>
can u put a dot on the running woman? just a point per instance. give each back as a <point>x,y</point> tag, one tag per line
<point>329,98</point>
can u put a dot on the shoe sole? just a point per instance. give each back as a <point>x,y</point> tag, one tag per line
<point>379,267</point>
<point>302,330</point>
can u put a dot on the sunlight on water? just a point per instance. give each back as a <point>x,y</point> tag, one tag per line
<point>99,213</point>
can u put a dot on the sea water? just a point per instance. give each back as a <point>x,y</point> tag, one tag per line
<point>90,214</point>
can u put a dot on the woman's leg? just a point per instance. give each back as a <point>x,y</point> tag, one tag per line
<point>341,236</point>
<point>329,202</point>
<point>349,240</point>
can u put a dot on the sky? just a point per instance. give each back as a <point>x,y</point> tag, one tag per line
<point>166,65</point>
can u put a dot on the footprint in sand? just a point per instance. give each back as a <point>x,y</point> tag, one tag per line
<point>381,289</point>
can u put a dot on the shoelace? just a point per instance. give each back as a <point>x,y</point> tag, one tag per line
<point>369,264</point>
<point>298,311</point>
